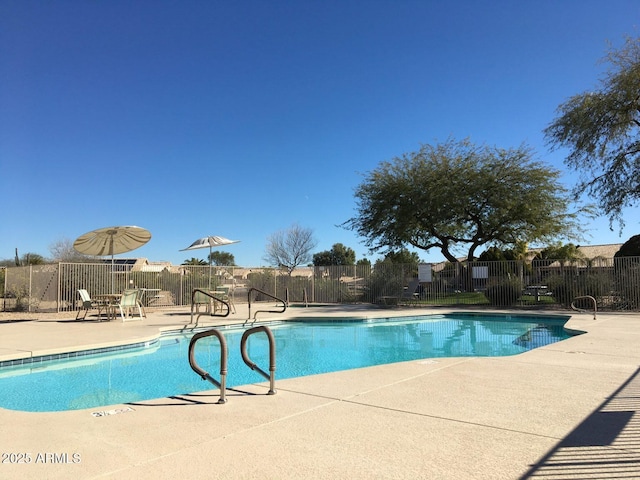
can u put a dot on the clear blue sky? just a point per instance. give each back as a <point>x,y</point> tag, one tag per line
<point>195,118</point>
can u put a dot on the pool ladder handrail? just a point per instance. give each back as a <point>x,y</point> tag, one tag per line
<point>272,355</point>
<point>253,289</point>
<point>222,384</point>
<point>214,298</point>
<point>271,376</point>
<point>589,297</point>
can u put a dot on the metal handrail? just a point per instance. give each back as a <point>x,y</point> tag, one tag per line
<point>595,304</point>
<point>223,361</point>
<point>272,355</point>
<point>213,297</point>
<point>253,289</point>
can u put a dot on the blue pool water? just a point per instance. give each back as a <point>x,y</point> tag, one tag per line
<point>302,348</point>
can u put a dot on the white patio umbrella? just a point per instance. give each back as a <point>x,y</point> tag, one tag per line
<point>211,241</point>
<point>111,241</point>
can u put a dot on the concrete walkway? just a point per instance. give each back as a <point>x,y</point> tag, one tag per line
<point>568,410</point>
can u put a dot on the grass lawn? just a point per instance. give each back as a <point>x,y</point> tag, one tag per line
<point>465,298</point>
<point>478,298</point>
<point>542,300</point>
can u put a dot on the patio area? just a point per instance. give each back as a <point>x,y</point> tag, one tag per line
<point>567,410</point>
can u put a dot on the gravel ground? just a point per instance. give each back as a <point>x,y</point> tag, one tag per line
<point>34,316</point>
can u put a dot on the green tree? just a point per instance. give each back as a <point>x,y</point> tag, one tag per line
<point>32,259</point>
<point>194,261</point>
<point>290,248</point>
<point>496,254</point>
<point>627,269</point>
<point>222,259</point>
<point>401,256</point>
<point>561,253</point>
<point>601,129</point>
<point>457,195</point>
<point>630,248</point>
<point>338,255</point>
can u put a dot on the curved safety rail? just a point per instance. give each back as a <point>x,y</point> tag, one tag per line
<point>271,376</point>
<point>213,299</point>
<point>223,361</point>
<point>252,289</point>
<point>586,297</point>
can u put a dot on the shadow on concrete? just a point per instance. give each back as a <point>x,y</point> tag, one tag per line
<point>193,399</point>
<point>605,445</point>
<point>78,320</point>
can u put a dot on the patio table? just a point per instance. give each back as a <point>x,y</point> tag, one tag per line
<point>148,295</point>
<point>109,300</point>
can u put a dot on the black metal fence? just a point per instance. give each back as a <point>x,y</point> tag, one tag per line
<point>614,283</point>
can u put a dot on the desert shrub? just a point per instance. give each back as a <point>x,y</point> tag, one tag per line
<point>564,288</point>
<point>385,279</point>
<point>567,286</point>
<point>505,293</point>
<point>596,284</point>
<point>23,302</point>
<point>628,282</point>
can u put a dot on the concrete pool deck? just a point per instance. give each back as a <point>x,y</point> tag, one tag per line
<point>567,410</point>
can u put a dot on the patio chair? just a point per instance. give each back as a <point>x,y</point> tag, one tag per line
<point>87,304</point>
<point>128,301</point>
<point>202,299</point>
<point>140,299</point>
<point>226,293</point>
<point>410,294</point>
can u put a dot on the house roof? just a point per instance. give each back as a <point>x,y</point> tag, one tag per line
<point>603,251</point>
<point>144,265</point>
<point>590,252</point>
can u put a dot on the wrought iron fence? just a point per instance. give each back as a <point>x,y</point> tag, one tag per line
<point>614,283</point>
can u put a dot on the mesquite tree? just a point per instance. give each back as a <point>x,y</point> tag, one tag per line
<point>601,129</point>
<point>457,196</point>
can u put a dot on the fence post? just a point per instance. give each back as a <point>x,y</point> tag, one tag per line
<point>59,292</point>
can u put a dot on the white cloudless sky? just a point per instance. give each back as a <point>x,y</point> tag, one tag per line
<point>242,118</point>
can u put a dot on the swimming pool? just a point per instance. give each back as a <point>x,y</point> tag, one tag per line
<point>161,369</point>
